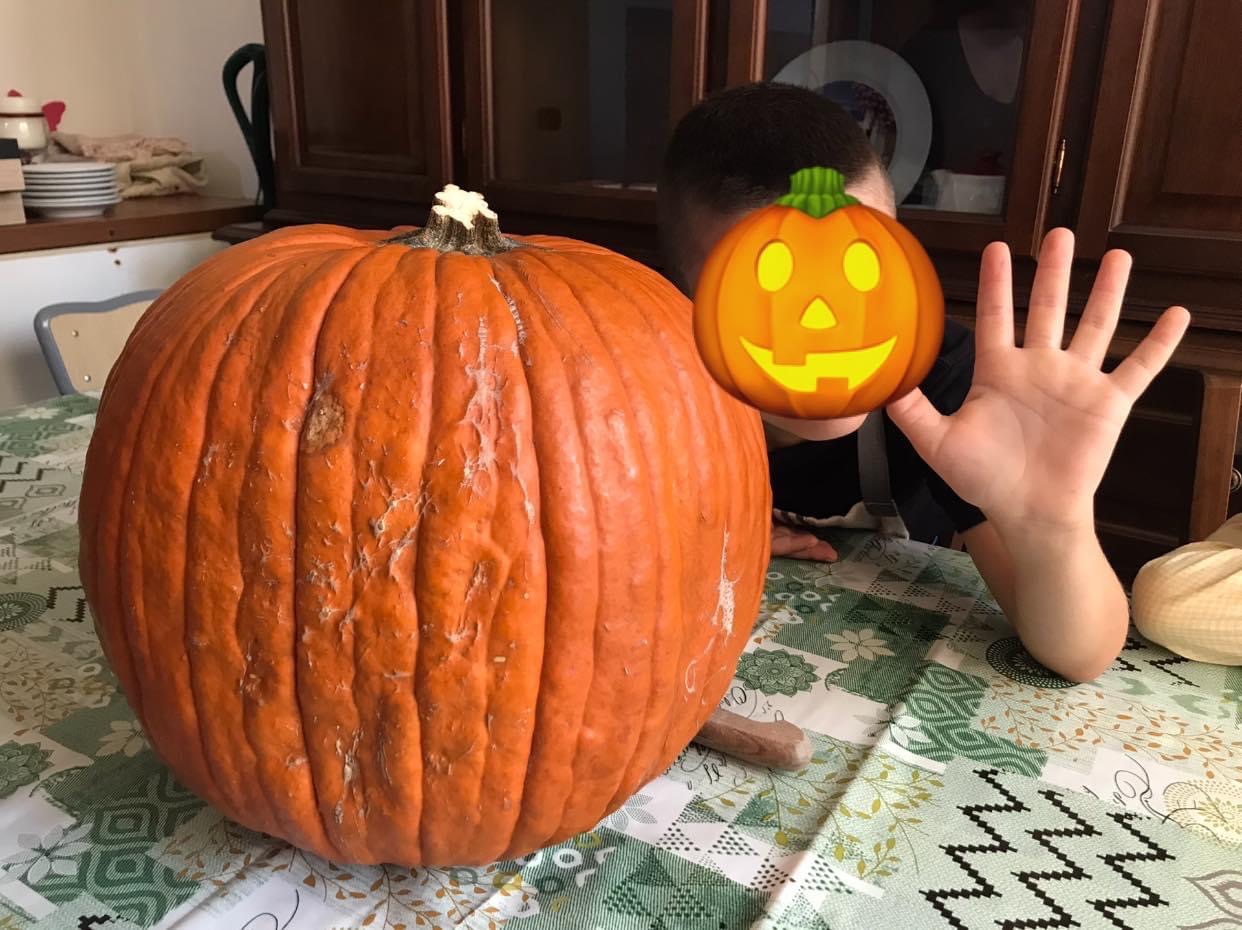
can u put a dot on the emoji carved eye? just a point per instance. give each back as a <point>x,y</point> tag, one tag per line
<point>775,266</point>
<point>861,266</point>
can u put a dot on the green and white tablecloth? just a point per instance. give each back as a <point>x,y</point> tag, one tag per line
<point>954,782</point>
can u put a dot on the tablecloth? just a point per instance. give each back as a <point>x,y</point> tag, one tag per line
<point>955,783</point>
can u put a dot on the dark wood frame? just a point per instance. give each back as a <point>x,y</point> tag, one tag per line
<point>316,189</point>
<point>1046,73</point>
<point>688,67</point>
<point>1124,95</point>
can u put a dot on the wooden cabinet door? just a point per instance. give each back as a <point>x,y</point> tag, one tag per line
<point>1164,177</point>
<point>569,104</point>
<point>963,102</point>
<point>360,104</point>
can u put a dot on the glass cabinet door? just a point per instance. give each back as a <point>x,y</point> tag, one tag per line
<point>577,98</point>
<point>958,97</point>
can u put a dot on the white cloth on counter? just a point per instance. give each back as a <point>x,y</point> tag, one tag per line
<point>146,166</point>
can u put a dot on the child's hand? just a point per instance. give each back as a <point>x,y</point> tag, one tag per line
<point>1034,436</point>
<point>793,543</point>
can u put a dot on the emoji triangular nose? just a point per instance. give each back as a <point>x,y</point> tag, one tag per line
<point>817,315</point>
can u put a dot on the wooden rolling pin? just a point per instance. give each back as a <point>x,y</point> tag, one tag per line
<point>776,744</point>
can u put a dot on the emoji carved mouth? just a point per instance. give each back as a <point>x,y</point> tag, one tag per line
<point>854,366</point>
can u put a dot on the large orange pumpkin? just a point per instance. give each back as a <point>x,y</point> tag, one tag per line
<point>818,306</point>
<point>428,548</point>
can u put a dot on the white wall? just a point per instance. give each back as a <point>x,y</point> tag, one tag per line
<point>32,280</point>
<point>147,66</point>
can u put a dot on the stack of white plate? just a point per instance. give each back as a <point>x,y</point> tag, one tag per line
<point>66,189</point>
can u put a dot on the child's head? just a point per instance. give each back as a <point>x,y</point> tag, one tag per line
<point>734,153</point>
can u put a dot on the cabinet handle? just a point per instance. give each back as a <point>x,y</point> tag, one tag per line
<point>1058,167</point>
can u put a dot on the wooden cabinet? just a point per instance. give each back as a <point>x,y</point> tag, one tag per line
<point>1163,181</point>
<point>1002,118</point>
<point>995,136</point>
<point>360,105</point>
<point>570,102</point>
<point>1165,165</point>
<point>567,106</point>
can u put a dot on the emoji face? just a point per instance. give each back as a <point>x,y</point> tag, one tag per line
<point>818,317</point>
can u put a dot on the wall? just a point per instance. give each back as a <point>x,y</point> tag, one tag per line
<point>148,66</point>
<point>35,279</point>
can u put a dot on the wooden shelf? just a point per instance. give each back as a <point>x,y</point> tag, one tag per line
<point>146,218</point>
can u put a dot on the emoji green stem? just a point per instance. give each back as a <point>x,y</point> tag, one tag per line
<point>817,192</point>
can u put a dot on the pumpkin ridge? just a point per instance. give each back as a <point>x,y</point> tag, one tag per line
<point>419,679</point>
<point>292,319</point>
<point>228,625</point>
<point>496,777</point>
<point>156,408</point>
<point>481,413</point>
<point>194,349</point>
<point>708,444</point>
<point>668,581</point>
<point>320,378</point>
<point>734,526</point>
<point>622,385</point>
<point>707,441</point>
<point>727,408</point>
<point>555,333</point>
<point>94,521</point>
<point>353,443</point>
<point>419,444</point>
<point>529,329</point>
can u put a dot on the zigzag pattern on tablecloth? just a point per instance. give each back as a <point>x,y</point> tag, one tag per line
<point>987,866</point>
<point>1160,663</point>
<point>1148,898</point>
<point>1033,880</point>
<point>980,887</point>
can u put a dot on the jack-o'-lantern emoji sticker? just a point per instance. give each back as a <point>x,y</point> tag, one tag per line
<point>817,306</point>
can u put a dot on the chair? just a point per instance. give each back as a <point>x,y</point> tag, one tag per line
<point>82,341</point>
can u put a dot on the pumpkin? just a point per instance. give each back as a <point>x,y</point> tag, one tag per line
<point>817,306</point>
<point>426,547</point>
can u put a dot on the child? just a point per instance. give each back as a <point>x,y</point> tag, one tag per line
<point>1003,446</point>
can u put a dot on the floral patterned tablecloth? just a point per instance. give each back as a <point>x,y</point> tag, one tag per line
<point>955,783</point>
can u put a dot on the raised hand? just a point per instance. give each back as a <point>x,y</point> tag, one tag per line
<point>1034,436</point>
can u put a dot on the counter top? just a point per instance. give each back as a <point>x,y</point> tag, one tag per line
<point>146,218</point>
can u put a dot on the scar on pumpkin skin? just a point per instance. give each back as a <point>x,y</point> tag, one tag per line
<point>482,412</point>
<point>725,604</point>
<point>325,424</point>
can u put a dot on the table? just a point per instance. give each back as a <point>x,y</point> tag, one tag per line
<point>955,783</point>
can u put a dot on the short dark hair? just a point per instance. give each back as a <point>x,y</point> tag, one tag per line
<point>736,150</point>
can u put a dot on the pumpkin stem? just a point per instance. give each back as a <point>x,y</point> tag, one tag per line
<point>817,192</point>
<point>460,221</point>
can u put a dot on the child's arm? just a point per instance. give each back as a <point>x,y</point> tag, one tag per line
<point>1030,445</point>
<point>1059,592</point>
